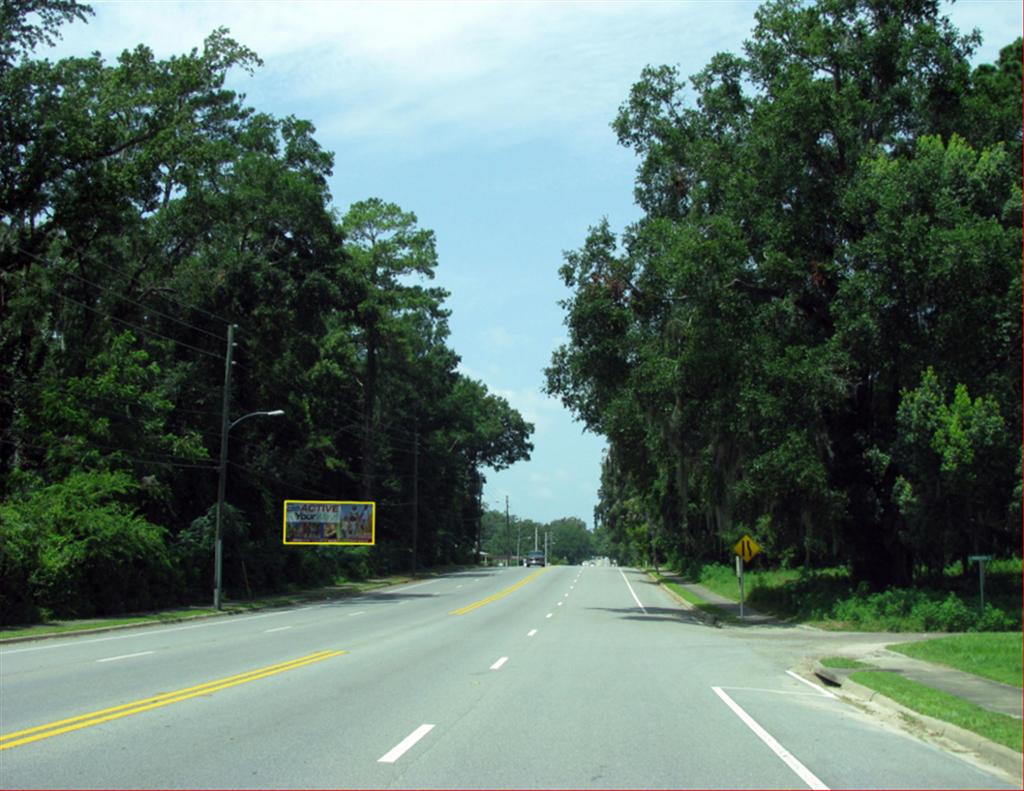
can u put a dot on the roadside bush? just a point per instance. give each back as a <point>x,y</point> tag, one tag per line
<point>93,554</point>
<point>996,620</point>
<point>909,610</point>
<point>827,596</point>
<point>949,615</point>
<point>19,558</point>
<point>353,563</point>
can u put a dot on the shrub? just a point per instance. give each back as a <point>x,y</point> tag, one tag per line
<point>93,554</point>
<point>19,558</point>
<point>910,610</point>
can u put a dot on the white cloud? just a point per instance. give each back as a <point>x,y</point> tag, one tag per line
<point>536,407</point>
<point>431,72</point>
<point>497,339</point>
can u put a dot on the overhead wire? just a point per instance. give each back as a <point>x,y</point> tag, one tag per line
<point>274,478</point>
<point>63,387</point>
<point>396,436</point>
<point>116,270</point>
<point>136,459</point>
<point>140,329</point>
<point>100,286</point>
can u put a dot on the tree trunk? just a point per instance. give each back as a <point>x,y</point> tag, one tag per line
<point>369,415</point>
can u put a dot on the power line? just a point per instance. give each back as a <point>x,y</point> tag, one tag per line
<point>270,477</point>
<point>140,329</point>
<point>135,459</point>
<point>398,436</point>
<point>122,273</point>
<point>63,387</point>
<point>148,308</point>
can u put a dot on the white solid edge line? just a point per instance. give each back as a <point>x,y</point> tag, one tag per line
<point>787,757</point>
<point>638,604</point>
<point>497,665</point>
<point>124,656</point>
<point>812,685</point>
<point>403,746</point>
<point>276,629</point>
<point>403,588</point>
<point>353,614</point>
<point>531,633</point>
<point>148,630</point>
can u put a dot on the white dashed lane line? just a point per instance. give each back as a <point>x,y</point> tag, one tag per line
<point>497,665</point>
<point>125,656</point>
<point>531,633</point>
<point>276,629</point>
<point>405,745</point>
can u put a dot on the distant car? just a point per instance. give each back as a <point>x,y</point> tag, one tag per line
<point>534,558</point>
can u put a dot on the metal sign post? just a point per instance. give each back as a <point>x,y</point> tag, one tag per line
<point>745,550</point>
<point>739,573</point>
<point>981,560</point>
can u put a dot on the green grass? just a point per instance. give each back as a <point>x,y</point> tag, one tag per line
<point>696,600</point>
<point>933,703</point>
<point>829,599</point>
<point>843,663</point>
<point>994,655</point>
<point>59,627</point>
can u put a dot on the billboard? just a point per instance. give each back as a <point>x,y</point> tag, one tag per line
<point>333,522</point>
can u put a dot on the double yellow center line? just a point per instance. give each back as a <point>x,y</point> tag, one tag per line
<point>498,595</point>
<point>28,735</point>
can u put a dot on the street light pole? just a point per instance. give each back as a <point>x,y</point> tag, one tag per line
<point>218,552</point>
<point>222,468</point>
<point>221,485</point>
<point>508,532</point>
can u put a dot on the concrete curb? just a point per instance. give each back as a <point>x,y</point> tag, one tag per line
<point>1009,762</point>
<point>115,628</point>
<point>706,617</point>
<point>185,618</point>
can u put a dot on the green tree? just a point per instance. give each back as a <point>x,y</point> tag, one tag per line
<point>570,540</point>
<point>818,228</point>
<point>142,208</point>
<point>955,456</point>
<point>385,245</point>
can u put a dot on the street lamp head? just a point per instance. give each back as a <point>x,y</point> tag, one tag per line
<point>275,413</point>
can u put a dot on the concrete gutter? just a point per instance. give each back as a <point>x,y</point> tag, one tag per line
<point>708,618</point>
<point>302,598</point>
<point>991,755</point>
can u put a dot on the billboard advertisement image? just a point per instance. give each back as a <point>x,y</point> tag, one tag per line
<point>334,522</point>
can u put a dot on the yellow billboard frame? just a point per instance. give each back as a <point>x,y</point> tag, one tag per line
<point>373,524</point>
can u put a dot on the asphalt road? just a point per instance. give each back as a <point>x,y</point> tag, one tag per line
<point>567,677</point>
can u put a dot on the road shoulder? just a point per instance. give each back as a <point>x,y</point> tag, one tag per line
<point>988,694</point>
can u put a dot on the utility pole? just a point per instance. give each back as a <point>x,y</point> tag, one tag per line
<point>415,496</point>
<point>546,534</point>
<point>223,470</point>
<point>479,522</point>
<point>508,532</point>
<point>536,527</point>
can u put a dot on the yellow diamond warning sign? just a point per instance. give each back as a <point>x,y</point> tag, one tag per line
<point>746,548</point>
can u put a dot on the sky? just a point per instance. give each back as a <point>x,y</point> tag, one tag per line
<point>491,122</point>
